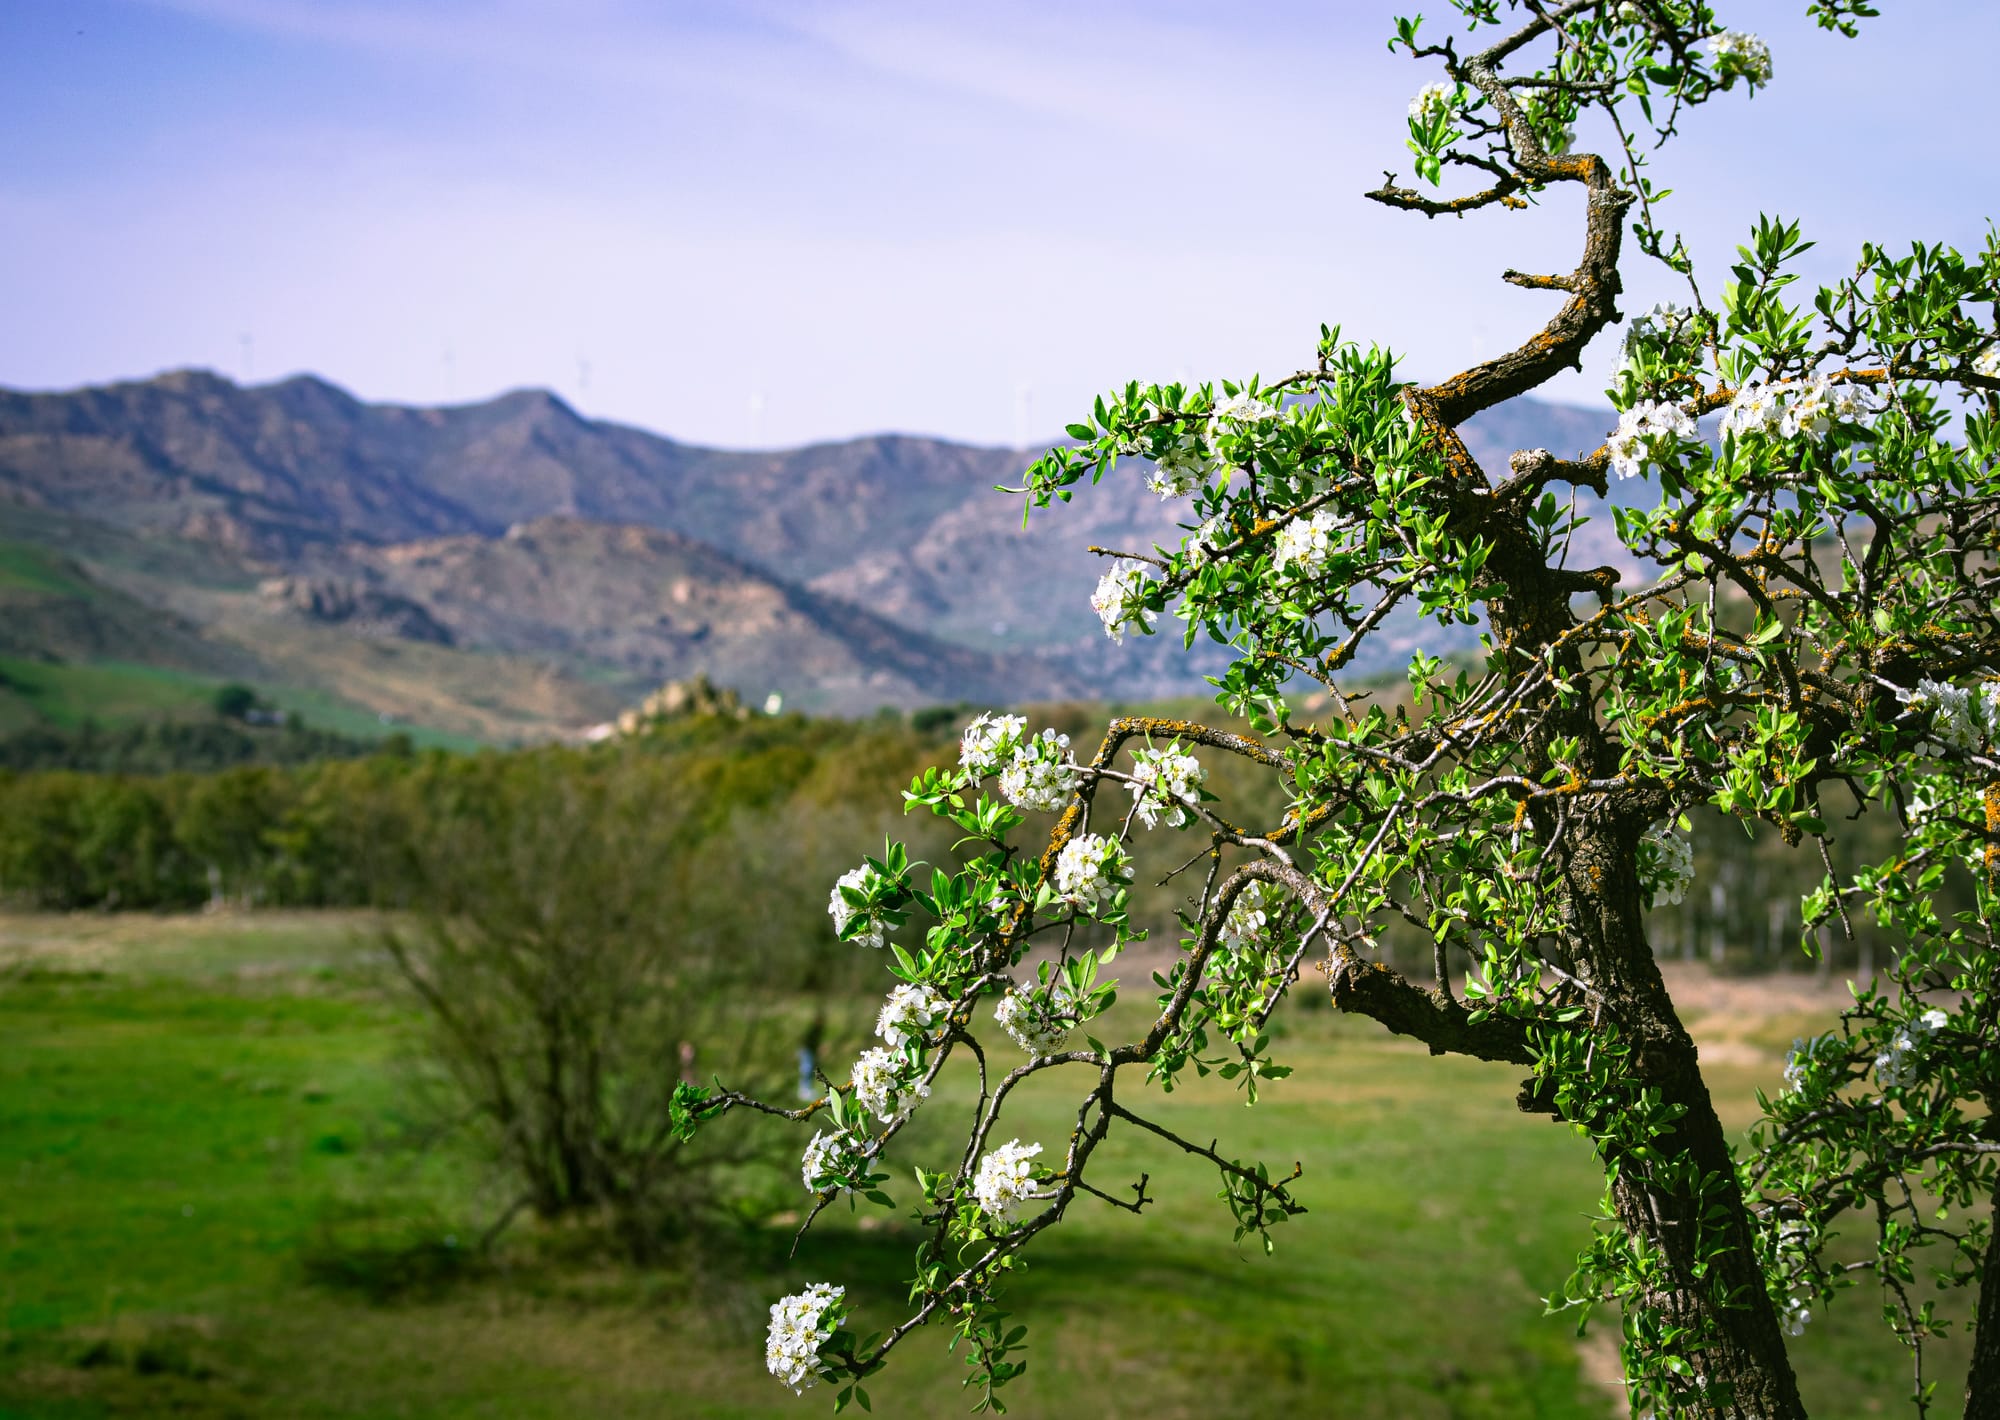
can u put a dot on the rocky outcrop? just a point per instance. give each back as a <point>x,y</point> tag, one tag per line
<point>364,610</point>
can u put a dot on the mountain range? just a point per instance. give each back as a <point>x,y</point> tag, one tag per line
<point>511,568</point>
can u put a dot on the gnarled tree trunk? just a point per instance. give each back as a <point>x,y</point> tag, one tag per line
<point>1982,1378</point>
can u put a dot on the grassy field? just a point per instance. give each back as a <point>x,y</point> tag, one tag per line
<point>25,567</point>
<point>110,692</point>
<point>195,1113</point>
<point>118,692</point>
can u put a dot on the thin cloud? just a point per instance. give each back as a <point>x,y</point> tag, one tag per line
<point>871,214</point>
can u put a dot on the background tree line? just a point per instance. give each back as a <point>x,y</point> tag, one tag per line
<point>765,811</point>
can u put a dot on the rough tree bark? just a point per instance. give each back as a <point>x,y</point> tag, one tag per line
<point>1982,1377</point>
<point>1745,1362</point>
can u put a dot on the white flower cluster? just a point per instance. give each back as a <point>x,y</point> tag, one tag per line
<point>1041,773</point>
<point>1090,870</point>
<point>1664,323</point>
<point>1799,408</point>
<point>1179,470</point>
<point>1793,1258</point>
<point>1199,546</point>
<point>909,1014</point>
<point>884,1086</point>
<point>1433,99</point>
<point>1004,1180</point>
<point>1192,458</point>
<point>1039,1021</point>
<point>988,743</point>
<point>1164,783</point>
<point>1643,430</point>
<point>1120,600</point>
<point>1306,543</point>
<point>1987,362</point>
<point>861,879</point>
<point>1667,870</point>
<point>1799,1060</point>
<point>1240,411</point>
<point>1740,52</point>
<point>1036,771</point>
<point>1961,716</point>
<point>1248,926</point>
<point>835,1151</point>
<point>800,1325</point>
<point>1897,1066</point>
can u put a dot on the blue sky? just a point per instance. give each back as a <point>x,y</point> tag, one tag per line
<point>766,223</point>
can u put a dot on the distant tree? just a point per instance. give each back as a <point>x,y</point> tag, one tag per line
<point>1823,632</point>
<point>125,845</point>
<point>224,823</point>
<point>235,701</point>
<point>561,980</point>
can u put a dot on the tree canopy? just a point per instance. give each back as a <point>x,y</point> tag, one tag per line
<point>1820,638</point>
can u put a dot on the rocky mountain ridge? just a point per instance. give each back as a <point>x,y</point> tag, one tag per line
<point>881,570</point>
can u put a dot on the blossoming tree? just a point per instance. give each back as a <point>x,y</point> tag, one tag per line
<point>1822,631</point>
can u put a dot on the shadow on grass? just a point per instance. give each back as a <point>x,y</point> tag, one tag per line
<point>384,1253</point>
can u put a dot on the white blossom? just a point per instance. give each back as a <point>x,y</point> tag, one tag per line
<point>1244,408</point>
<point>909,1014</point>
<point>800,1325</point>
<point>1895,1066</point>
<point>1796,1316</point>
<point>1666,870</point>
<point>1801,409</point>
<point>1987,362</point>
<point>1199,546</point>
<point>1041,774</point>
<point>1090,870</point>
<point>1798,1062</point>
<point>1641,431</point>
<point>1180,470</point>
<point>832,1151</point>
<point>1248,926</point>
<point>1853,402</point>
<point>988,742</point>
<point>1164,783</point>
<point>1662,323</point>
<point>1004,1180</point>
<point>1433,99</point>
<point>1961,716</point>
<point>1120,600</point>
<point>1805,1054</point>
<point>1808,412</point>
<point>1306,543</point>
<point>885,1086</point>
<point>1039,1021</point>
<point>861,879</point>
<point>1756,409</point>
<point>1740,52</point>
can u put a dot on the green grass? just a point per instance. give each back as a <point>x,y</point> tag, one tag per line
<point>189,1105</point>
<point>65,694</point>
<point>28,568</point>
<point>111,692</point>
<point>329,712</point>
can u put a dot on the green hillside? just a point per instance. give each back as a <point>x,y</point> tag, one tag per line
<point>25,567</point>
<point>114,693</point>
